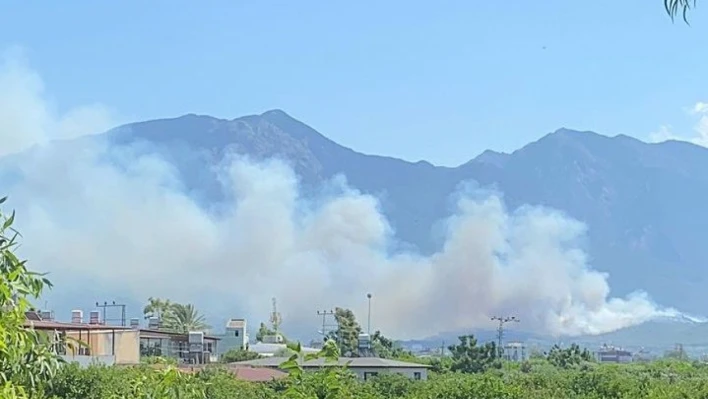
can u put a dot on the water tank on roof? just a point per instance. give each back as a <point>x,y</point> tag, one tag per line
<point>153,323</point>
<point>364,341</point>
<point>94,317</point>
<point>77,316</point>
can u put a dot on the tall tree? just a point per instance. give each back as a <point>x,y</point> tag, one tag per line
<point>347,333</point>
<point>156,307</point>
<point>568,357</point>
<point>263,331</point>
<point>387,348</point>
<point>184,318</point>
<point>468,357</point>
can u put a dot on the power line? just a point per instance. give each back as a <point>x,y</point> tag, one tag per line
<point>500,330</point>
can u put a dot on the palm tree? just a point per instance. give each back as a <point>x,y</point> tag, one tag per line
<point>184,318</point>
<point>157,307</point>
<point>674,7</point>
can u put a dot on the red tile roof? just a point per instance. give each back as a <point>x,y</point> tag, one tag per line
<point>258,374</point>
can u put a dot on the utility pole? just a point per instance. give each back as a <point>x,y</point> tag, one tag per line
<point>368,323</point>
<point>113,305</point>
<point>324,314</point>
<point>500,330</point>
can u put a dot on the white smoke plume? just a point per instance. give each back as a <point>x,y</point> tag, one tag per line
<point>127,228</point>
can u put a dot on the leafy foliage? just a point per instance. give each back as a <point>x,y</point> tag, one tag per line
<point>264,331</point>
<point>569,357</point>
<point>657,380</point>
<point>387,348</point>
<point>156,307</point>
<point>468,357</point>
<point>347,332</point>
<point>674,7</point>
<point>177,317</point>
<point>26,361</point>
<point>238,355</point>
<point>183,319</point>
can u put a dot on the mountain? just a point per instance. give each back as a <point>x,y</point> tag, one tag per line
<point>643,202</point>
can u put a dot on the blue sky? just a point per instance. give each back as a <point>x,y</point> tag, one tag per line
<point>440,81</point>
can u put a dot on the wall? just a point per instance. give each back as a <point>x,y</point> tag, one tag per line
<point>127,347</point>
<point>229,341</point>
<point>100,343</point>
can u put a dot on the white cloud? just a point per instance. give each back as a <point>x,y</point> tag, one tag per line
<point>125,227</point>
<point>700,129</point>
<point>700,108</point>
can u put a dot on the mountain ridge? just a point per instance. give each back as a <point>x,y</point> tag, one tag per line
<point>635,196</point>
<point>641,201</point>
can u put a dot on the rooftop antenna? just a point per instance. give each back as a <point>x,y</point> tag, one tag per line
<point>113,304</point>
<point>275,317</point>
<point>500,330</point>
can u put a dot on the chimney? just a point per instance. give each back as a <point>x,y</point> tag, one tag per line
<point>77,316</point>
<point>94,317</point>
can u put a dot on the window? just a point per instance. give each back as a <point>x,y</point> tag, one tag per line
<point>417,376</point>
<point>236,333</point>
<point>369,374</point>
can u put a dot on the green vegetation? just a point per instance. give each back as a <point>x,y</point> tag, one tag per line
<point>238,355</point>
<point>536,379</point>
<point>26,361</point>
<point>264,331</point>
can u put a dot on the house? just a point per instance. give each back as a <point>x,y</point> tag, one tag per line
<point>88,343</point>
<point>363,367</point>
<point>97,342</point>
<point>191,348</point>
<point>611,354</point>
<point>235,337</point>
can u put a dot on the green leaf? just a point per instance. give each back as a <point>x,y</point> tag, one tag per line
<point>9,221</point>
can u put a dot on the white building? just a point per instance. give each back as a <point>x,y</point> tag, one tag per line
<point>515,352</point>
<point>274,345</point>
<point>363,367</point>
<point>235,336</point>
<point>611,354</point>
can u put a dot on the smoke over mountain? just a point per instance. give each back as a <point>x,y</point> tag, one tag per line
<point>116,220</point>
